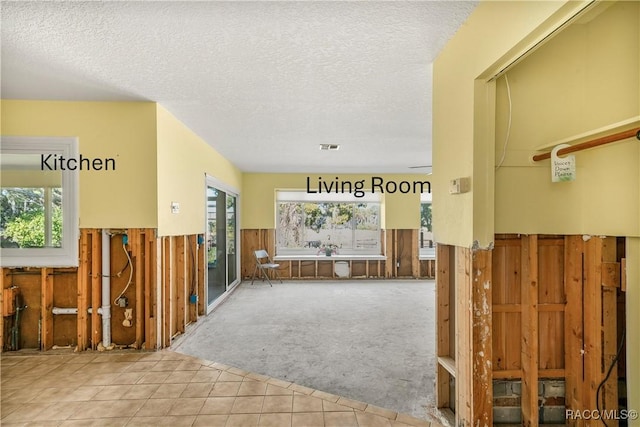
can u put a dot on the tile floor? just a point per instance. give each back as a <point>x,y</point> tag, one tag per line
<point>167,388</point>
<point>369,340</point>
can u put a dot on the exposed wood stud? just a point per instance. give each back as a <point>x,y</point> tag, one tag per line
<point>83,291</point>
<point>530,330</point>
<point>517,374</point>
<point>610,284</point>
<point>573,323</point>
<point>181,285</point>
<point>147,244</point>
<point>47,308</point>
<point>415,253</point>
<point>136,245</point>
<point>623,275</point>
<point>388,252</point>
<point>393,265</point>
<point>96,286</point>
<point>166,291</point>
<point>192,276</point>
<point>463,337</point>
<point>592,320</point>
<point>482,385</point>
<point>155,321</point>
<point>611,273</point>
<point>443,280</point>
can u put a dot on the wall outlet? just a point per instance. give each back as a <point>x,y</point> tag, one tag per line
<point>175,207</point>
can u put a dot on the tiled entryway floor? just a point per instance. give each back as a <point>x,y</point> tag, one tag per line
<point>167,388</point>
<point>368,340</point>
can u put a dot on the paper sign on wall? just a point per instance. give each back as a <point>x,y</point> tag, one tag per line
<point>562,168</point>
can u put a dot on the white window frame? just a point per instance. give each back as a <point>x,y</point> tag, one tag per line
<point>67,254</point>
<point>426,253</point>
<point>300,196</point>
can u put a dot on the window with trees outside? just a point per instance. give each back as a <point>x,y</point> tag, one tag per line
<point>31,217</point>
<point>39,220</point>
<point>426,244</point>
<point>327,224</point>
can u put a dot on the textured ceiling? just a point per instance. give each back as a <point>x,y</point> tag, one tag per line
<point>264,83</point>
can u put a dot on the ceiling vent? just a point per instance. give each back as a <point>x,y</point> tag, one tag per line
<point>329,147</point>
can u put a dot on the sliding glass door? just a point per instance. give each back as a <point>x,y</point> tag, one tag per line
<point>232,265</point>
<point>222,264</point>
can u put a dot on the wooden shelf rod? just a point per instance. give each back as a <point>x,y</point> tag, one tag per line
<point>593,143</point>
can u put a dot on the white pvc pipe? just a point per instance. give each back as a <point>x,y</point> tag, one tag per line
<point>106,288</point>
<point>64,310</point>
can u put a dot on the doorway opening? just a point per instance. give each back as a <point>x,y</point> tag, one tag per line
<point>222,262</point>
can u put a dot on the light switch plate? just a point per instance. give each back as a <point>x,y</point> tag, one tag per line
<point>459,185</point>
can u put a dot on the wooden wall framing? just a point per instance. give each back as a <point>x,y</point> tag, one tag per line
<point>182,280</point>
<point>169,267</point>
<point>445,324</point>
<point>528,293</point>
<point>533,307</point>
<point>400,247</point>
<point>592,325</point>
<point>464,334</point>
<point>554,312</point>
<point>41,290</point>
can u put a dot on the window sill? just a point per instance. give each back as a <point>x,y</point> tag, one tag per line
<point>329,258</point>
<point>427,253</point>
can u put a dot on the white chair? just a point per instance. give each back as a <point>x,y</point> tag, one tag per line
<point>264,264</point>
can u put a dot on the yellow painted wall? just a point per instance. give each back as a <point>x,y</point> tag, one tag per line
<point>183,160</point>
<point>125,131</point>
<point>400,211</point>
<point>633,320</point>
<point>586,78</point>
<point>633,315</point>
<point>583,78</point>
<point>463,134</point>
